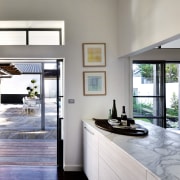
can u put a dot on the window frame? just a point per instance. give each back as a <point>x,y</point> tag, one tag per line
<point>27,30</point>
<point>162,96</point>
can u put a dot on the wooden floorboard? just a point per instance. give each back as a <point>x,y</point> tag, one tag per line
<point>24,152</point>
<point>38,173</point>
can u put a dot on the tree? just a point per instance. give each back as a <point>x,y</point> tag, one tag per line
<point>146,70</point>
<point>171,73</point>
<point>32,90</point>
<point>174,102</point>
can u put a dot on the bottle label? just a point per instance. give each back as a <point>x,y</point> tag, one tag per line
<point>124,122</point>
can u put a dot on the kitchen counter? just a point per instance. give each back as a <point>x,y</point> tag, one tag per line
<point>159,151</point>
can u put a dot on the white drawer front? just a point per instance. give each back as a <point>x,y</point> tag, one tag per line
<point>105,172</point>
<point>91,135</point>
<point>124,166</point>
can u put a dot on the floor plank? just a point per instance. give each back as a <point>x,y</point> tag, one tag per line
<point>24,152</point>
<point>38,173</point>
<point>28,173</point>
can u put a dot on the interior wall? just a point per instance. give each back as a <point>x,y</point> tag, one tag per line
<point>159,54</point>
<point>22,82</point>
<point>146,24</point>
<point>85,21</point>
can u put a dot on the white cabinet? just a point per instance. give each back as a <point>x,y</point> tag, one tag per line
<point>90,150</point>
<point>119,161</point>
<point>105,160</point>
<point>106,172</point>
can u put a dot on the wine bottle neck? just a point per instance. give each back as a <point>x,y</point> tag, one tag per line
<point>123,110</point>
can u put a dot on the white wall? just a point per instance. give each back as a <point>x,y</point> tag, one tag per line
<point>50,88</point>
<point>159,54</point>
<point>18,84</point>
<point>145,24</point>
<point>85,21</point>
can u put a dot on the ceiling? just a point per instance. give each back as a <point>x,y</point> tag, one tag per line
<point>9,69</point>
<point>29,68</point>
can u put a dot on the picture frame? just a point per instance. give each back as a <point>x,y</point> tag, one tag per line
<point>94,54</point>
<point>94,83</point>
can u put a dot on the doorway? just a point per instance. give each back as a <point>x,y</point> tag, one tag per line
<point>57,109</point>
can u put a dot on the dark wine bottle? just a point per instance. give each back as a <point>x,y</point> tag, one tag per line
<point>109,116</point>
<point>114,110</point>
<point>123,114</point>
<point>124,117</point>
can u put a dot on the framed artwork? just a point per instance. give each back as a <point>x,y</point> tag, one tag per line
<point>94,54</point>
<point>94,83</point>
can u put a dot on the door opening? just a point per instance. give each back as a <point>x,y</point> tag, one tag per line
<point>57,77</point>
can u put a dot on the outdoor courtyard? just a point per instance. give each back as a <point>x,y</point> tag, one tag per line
<point>22,142</point>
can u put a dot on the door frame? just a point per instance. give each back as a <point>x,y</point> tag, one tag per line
<point>60,96</point>
<point>59,139</point>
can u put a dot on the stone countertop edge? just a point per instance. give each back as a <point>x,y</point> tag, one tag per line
<point>158,152</point>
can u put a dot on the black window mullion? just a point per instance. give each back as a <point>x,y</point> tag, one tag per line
<point>27,37</point>
<point>163,91</point>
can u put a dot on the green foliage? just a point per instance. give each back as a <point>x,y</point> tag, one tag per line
<point>171,112</point>
<point>146,70</point>
<point>140,106</point>
<point>171,73</point>
<point>32,90</point>
<point>144,119</point>
<point>174,102</point>
<point>33,81</point>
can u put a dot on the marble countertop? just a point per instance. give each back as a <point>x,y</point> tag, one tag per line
<point>159,151</point>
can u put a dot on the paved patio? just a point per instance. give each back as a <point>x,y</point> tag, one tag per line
<point>21,140</point>
<point>16,124</point>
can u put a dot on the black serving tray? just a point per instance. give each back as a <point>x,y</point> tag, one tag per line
<point>138,130</point>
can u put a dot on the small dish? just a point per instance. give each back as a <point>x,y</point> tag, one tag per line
<point>113,122</point>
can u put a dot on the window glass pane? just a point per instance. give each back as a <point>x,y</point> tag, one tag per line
<point>146,80</point>
<point>148,92</point>
<point>12,38</point>
<point>50,66</point>
<point>44,38</point>
<point>147,106</point>
<point>172,95</point>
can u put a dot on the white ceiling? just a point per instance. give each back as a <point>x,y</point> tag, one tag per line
<point>172,44</point>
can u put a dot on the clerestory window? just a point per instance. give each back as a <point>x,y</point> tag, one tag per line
<point>32,36</point>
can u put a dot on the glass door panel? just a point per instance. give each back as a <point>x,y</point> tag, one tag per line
<point>148,92</point>
<point>172,95</point>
